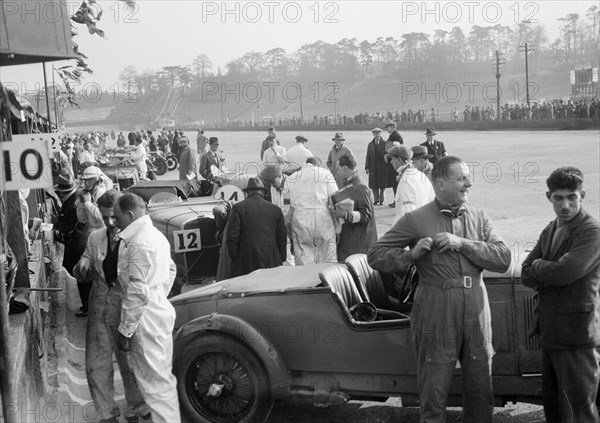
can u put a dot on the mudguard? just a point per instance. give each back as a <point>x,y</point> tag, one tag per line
<point>246,333</point>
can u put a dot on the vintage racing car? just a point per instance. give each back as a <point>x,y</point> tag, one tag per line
<point>242,343</point>
<point>183,212</point>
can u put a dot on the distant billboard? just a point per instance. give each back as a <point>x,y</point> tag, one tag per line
<point>584,82</point>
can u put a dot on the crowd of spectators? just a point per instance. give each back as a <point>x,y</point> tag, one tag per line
<point>548,109</point>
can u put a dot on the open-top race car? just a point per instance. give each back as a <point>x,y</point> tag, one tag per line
<point>183,211</point>
<point>330,332</point>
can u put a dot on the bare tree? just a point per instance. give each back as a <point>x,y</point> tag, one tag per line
<point>128,77</point>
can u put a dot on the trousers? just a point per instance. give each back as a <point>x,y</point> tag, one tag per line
<point>570,384</point>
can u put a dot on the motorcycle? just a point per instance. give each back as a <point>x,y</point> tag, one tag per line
<point>159,162</point>
<point>172,161</point>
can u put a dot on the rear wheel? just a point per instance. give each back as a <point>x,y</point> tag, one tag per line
<point>220,380</point>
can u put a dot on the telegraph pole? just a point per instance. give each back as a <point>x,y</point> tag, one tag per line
<point>499,62</point>
<point>526,48</point>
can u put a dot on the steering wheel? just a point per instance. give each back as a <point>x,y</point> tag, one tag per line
<point>409,285</point>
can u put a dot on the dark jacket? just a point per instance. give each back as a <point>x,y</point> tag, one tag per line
<point>437,150</point>
<point>395,136</point>
<point>256,235</point>
<point>567,284</point>
<point>357,237</point>
<point>187,163</point>
<point>208,160</point>
<point>376,166</point>
<point>73,234</point>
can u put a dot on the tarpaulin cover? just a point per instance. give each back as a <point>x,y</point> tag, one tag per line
<point>34,31</point>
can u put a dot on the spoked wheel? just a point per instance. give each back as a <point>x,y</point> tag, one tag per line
<point>172,162</point>
<point>220,380</point>
<point>161,165</point>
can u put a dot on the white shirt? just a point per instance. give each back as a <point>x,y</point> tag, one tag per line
<point>277,157</point>
<point>297,155</point>
<point>139,158</point>
<point>414,190</point>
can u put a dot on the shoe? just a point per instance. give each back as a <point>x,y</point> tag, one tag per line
<point>147,416</point>
<point>392,205</point>
<point>111,420</point>
<point>81,314</point>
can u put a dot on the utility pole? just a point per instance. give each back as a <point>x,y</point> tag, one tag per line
<point>526,48</point>
<point>54,97</point>
<point>47,100</point>
<point>498,63</point>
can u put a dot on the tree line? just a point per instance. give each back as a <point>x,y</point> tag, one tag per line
<point>446,52</point>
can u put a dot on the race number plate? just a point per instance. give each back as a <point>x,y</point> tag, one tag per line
<point>187,240</point>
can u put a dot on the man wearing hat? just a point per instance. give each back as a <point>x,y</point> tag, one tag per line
<point>334,155</point>
<point>376,168</point>
<point>414,189</point>
<point>70,232</point>
<point>421,161</point>
<point>256,235</point>
<point>212,158</point>
<point>297,155</point>
<point>435,148</point>
<point>187,159</point>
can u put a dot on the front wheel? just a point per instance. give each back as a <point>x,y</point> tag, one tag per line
<point>172,162</point>
<point>220,380</point>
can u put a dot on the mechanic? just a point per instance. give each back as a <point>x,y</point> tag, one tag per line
<point>99,263</point>
<point>297,155</point>
<point>359,230</point>
<point>564,269</point>
<point>146,274</point>
<point>414,189</point>
<point>312,228</point>
<point>139,157</point>
<point>450,244</point>
<point>255,234</point>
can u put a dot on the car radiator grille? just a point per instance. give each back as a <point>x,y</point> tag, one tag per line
<point>530,304</point>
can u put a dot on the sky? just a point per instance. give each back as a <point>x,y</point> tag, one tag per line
<point>157,33</point>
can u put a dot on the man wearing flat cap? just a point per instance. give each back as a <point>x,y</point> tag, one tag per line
<point>414,188</point>
<point>376,167</point>
<point>435,148</point>
<point>256,236</point>
<point>337,151</point>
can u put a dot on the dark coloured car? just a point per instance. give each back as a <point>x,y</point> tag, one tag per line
<point>242,343</point>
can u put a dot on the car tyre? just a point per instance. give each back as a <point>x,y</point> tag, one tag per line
<point>220,380</point>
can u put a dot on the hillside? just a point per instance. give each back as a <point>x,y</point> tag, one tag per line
<point>228,100</point>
